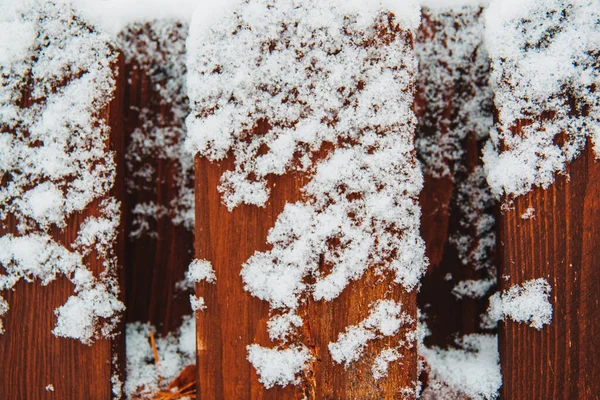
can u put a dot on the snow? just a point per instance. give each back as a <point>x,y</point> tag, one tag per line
<point>545,79</point>
<point>281,326</point>
<point>197,303</point>
<point>113,16</point>
<point>472,368</point>
<point>175,351</point>
<point>385,319</point>
<point>473,288</point>
<point>382,361</point>
<point>49,388</point>
<point>278,367</point>
<point>200,270</point>
<point>527,302</point>
<point>529,213</point>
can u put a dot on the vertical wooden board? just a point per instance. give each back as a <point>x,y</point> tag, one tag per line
<point>439,99</point>
<point>234,319</point>
<point>154,264</point>
<point>32,356</point>
<point>561,243</point>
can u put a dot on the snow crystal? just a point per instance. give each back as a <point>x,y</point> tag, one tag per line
<point>56,78</point>
<point>385,318</point>
<point>528,302</point>
<point>281,326</point>
<point>472,369</point>
<point>529,213</point>
<point>545,79</point>
<point>278,367</point>
<point>197,303</point>
<point>382,361</point>
<point>158,48</point>
<point>175,351</point>
<point>78,317</point>
<point>200,270</point>
<point>473,288</point>
<point>49,388</point>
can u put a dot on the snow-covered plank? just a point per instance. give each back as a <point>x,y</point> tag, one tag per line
<point>61,238</point>
<point>561,244</point>
<point>541,158</point>
<point>306,186</point>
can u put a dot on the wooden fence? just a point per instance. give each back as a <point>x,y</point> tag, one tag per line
<point>561,243</point>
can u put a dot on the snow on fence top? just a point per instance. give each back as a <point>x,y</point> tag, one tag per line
<point>546,78</point>
<point>316,74</point>
<point>56,76</point>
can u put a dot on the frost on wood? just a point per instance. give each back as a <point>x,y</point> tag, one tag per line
<point>158,48</point>
<point>278,367</point>
<point>56,79</point>
<point>471,369</point>
<point>546,79</point>
<point>315,73</point>
<point>385,319</point>
<point>175,351</point>
<point>528,302</point>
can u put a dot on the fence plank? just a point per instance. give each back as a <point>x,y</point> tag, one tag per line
<point>157,258</point>
<point>32,356</point>
<point>233,318</point>
<point>561,243</point>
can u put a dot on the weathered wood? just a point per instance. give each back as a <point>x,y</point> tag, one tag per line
<point>234,319</point>
<point>32,357</point>
<point>561,243</point>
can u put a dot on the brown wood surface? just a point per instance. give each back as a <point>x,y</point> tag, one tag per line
<point>441,215</point>
<point>154,263</point>
<point>234,319</point>
<point>562,244</point>
<point>32,357</point>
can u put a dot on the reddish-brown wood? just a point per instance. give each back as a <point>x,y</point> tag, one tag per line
<point>154,264</point>
<point>234,319</point>
<point>32,357</point>
<point>442,214</point>
<point>562,244</point>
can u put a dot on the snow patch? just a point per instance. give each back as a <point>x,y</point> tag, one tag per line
<point>278,367</point>
<point>527,302</point>
<point>385,319</point>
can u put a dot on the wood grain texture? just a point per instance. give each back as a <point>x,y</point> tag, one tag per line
<point>562,244</point>
<point>154,263</point>
<point>32,357</point>
<point>234,319</point>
